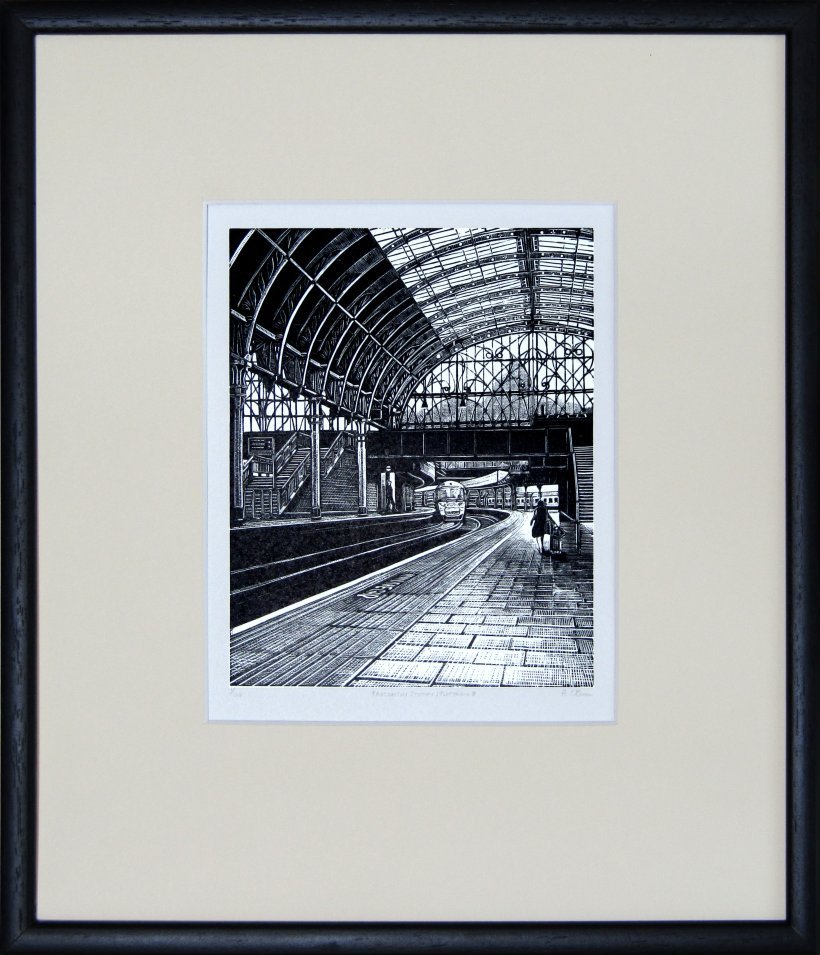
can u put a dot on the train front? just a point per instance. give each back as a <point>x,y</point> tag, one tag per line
<point>450,502</point>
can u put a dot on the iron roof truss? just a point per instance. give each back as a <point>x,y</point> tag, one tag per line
<point>357,317</point>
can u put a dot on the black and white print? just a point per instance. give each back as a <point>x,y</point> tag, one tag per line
<point>411,458</point>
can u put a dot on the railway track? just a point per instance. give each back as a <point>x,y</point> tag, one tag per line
<point>264,587</point>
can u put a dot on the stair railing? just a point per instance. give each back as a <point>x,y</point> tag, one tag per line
<point>283,453</point>
<point>331,457</point>
<point>298,439</point>
<point>259,471</point>
<point>246,470</point>
<point>289,490</point>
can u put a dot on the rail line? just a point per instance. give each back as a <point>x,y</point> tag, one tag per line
<point>342,549</point>
<point>257,662</point>
<point>344,563</point>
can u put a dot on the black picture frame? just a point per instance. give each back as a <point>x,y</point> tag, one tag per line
<point>22,932</point>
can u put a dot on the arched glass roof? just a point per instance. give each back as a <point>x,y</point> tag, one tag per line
<point>469,282</point>
<point>358,317</point>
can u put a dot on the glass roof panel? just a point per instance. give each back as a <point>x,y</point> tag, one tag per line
<point>458,276</point>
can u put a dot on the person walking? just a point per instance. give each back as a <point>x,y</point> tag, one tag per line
<point>539,523</point>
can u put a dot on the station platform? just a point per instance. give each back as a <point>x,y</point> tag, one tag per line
<point>487,609</point>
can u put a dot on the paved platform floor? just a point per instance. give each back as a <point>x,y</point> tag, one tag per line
<point>485,610</point>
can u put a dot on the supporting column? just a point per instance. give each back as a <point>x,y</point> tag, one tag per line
<point>361,449</point>
<point>315,460</point>
<point>237,392</point>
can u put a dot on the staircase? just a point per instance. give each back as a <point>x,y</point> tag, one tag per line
<point>287,489</point>
<point>261,500</point>
<point>291,478</point>
<point>271,486</point>
<point>340,487</point>
<point>583,467</point>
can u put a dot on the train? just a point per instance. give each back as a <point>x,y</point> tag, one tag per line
<point>504,496</point>
<point>490,497</point>
<point>449,501</point>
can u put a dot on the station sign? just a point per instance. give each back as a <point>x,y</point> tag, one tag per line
<point>476,465</point>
